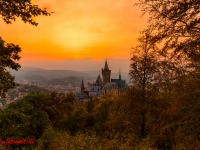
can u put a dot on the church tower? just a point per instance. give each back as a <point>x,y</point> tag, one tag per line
<point>106,73</point>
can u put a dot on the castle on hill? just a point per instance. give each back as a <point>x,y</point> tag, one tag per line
<point>101,87</point>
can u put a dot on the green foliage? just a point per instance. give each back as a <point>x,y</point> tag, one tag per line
<point>75,120</point>
<point>9,10</point>
<point>178,125</point>
<point>56,122</point>
<point>63,107</point>
<point>70,98</point>
<point>47,139</point>
<point>8,56</point>
<point>64,141</point>
<point>26,118</point>
<point>145,144</point>
<point>90,106</point>
<point>102,113</point>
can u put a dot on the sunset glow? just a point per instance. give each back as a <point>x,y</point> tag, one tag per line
<point>78,30</point>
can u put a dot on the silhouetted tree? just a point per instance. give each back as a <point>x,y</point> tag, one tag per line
<point>8,56</point>
<point>9,11</point>
<point>174,23</point>
<point>145,74</point>
<point>24,9</point>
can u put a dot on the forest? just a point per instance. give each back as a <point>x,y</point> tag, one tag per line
<point>160,110</point>
<point>162,115</point>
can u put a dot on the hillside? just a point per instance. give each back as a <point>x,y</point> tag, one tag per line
<point>73,80</point>
<point>58,76</point>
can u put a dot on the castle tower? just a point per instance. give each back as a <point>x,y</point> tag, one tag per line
<point>106,73</point>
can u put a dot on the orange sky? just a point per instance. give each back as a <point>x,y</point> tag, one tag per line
<point>77,30</point>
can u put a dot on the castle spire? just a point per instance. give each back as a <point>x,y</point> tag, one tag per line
<point>120,77</point>
<point>99,81</point>
<point>106,66</point>
<point>82,86</point>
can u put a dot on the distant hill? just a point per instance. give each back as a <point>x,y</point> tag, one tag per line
<point>73,80</point>
<point>57,76</point>
<point>43,75</point>
<point>114,75</point>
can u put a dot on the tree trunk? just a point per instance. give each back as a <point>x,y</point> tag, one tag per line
<point>143,124</point>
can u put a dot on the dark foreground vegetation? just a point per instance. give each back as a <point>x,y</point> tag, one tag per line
<point>159,111</point>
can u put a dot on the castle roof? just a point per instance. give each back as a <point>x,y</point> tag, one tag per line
<point>110,85</point>
<point>116,83</point>
<point>121,83</point>
<point>92,88</point>
<point>82,96</point>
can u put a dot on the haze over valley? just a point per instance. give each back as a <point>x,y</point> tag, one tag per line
<point>46,76</point>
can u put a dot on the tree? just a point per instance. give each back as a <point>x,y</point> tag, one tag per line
<point>64,106</point>
<point>8,55</point>
<point>10,10</point>
<point>26,118</point>
<point>174,23</point>
<point>145,74</point>
<point>178,124</point>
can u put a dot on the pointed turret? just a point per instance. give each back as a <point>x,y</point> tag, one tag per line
<point>98,81</point>
<point>82,86</point>
<point>106,66</point>
<point>120,77</point>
